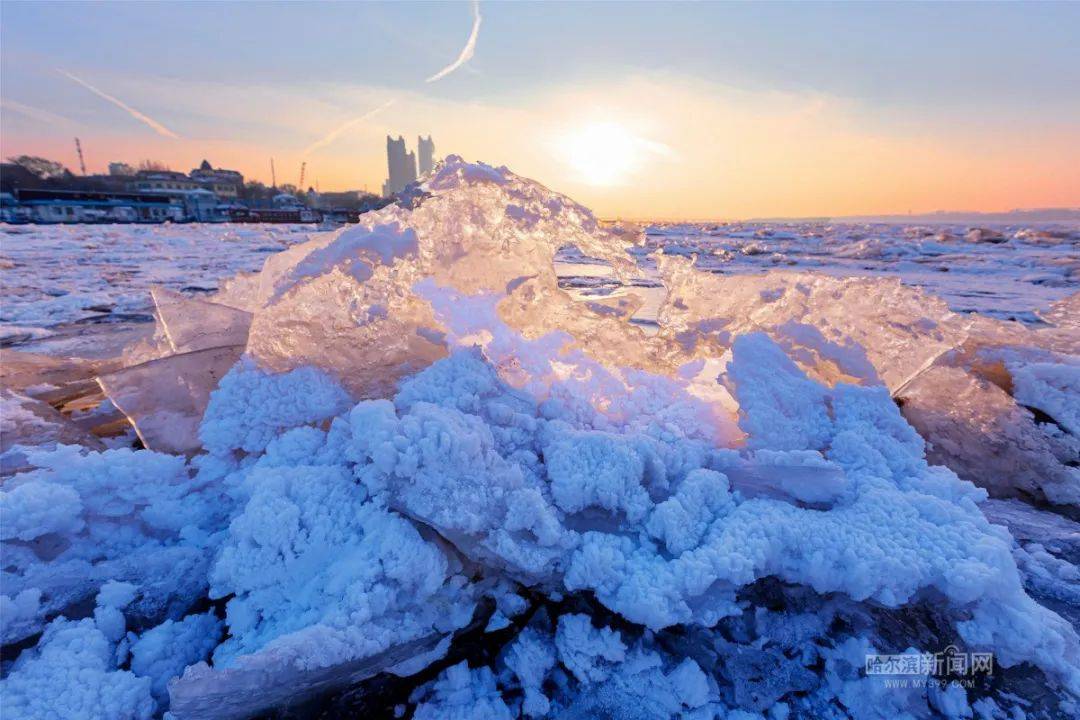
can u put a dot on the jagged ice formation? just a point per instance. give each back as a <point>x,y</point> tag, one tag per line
<point>401,436</point>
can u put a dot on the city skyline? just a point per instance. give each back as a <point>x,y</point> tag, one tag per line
<point>763,110</point>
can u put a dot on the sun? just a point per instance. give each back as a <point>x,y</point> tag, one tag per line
<point>606,153</point>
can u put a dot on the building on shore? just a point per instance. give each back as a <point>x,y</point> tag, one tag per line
<point>78,206</point>
<point>207,194</point>
<point>162,181</point>
<point>223,183</point>
<point>425,150</point>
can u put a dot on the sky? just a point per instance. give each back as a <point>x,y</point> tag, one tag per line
<point>638,110</point>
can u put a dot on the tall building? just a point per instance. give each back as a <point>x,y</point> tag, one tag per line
<point>401,165</point>
<point>426,150</point>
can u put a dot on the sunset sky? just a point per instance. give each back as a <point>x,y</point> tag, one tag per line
<point>638,110</point>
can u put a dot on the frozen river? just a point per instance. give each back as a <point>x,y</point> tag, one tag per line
<point>399,470</point>
<point>53,275</point>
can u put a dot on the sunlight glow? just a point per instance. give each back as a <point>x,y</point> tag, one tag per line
<point>607,154</point>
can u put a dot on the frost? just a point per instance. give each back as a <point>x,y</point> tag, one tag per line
<point>37,509</point>
<point>1052,388</point>
<point>585,651</point>
<point>384,584</point>
<point>607,678</point>
<point>72,673</point>
<point>79,520</point>
<point>531,658</point>
<point>463,694</point>
<point>163,652</point>
<point>781,409</point>
<point>250,408</point>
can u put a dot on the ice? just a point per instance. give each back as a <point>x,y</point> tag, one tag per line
<point>406,459</point>
<point>190,324</point>
<point>245,689</point>
<point>65,273</point>
<point>857,329</point>
<point>989,439</point>
<point>165,398</point>
<point>26,421</point>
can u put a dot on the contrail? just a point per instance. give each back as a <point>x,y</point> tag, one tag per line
<point>35,113</point>
<point>333,134</point>
<point>467,51</point>
<point>157,127</point>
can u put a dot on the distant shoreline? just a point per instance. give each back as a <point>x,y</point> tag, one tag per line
<point>945,217</point>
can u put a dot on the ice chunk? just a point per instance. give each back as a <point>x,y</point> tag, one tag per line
<point>823,321</point>
<point>344,302</point>
<point>988,439</point>
<point>265,681</point>
<point>165,398</point>
<point>191,324</point>
<point>26,421</point>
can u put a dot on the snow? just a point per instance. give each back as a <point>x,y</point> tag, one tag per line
<point>407,434</point>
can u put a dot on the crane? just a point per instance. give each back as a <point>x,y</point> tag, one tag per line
<point>78,149</point>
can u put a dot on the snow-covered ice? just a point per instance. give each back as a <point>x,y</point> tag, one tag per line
<point>419,456</point>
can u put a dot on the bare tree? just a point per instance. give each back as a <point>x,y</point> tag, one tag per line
<point>41,167</point>
<point>153,165</point>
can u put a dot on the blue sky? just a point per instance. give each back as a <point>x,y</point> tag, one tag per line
<point>252,79</point>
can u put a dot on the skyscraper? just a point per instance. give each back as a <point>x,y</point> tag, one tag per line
<point>426,150</point>
<point>400,164</point>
